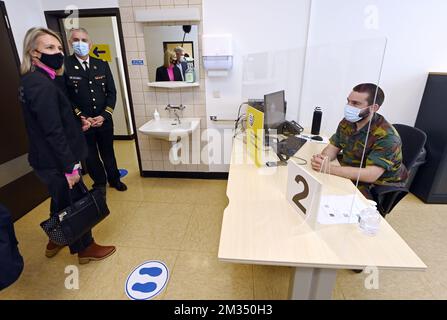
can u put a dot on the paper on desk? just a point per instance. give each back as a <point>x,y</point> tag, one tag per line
<point>335,209</point>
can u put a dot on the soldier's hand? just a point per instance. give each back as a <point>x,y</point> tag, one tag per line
<point>98,121</point>
<point>320,163</point>
<point>92,121</point>
<point>85,124</point>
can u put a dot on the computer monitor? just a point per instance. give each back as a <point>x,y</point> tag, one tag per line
<point>274,110</point>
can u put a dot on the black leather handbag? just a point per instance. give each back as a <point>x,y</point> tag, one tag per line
<point>69,225</point>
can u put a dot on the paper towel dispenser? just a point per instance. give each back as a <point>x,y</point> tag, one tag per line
<point>218,62</point>
<point>217,53</point>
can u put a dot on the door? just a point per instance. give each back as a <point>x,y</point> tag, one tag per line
<point>20,190</point>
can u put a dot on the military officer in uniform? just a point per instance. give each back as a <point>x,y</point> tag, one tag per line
<point>92,92</point>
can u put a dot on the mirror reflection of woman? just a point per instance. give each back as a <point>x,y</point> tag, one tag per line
<point>168,71</point>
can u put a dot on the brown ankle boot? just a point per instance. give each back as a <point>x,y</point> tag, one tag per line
<point>52,249</point>
<point>95,252</point>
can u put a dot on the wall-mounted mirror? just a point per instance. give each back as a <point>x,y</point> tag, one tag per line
<point>172,53</point>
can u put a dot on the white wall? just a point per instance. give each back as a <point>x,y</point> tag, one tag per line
<point>274,27</point>
<point>23,15</point>
<point>416,45</point>
<point>256,26</point>
<point>81,4</point>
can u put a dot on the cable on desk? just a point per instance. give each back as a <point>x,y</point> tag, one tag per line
<point>239,119</point>
<point>304,161</point>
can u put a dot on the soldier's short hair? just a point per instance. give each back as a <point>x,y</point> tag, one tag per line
<point>75,30</point>
<point>179,49</point>
<point>375,93</point>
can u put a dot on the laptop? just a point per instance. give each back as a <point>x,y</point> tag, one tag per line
<point>287,148</point>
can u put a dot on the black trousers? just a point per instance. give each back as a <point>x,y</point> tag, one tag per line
<point>60,199</point>
<point>100,143</point>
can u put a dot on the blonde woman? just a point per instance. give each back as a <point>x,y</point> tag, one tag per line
<point>56,142</point>
<point>168,71</point>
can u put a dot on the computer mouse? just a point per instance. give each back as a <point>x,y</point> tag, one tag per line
<point>317,138</point>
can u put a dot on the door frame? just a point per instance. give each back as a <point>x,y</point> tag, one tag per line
<point>11,36</point>
<point>53,19</point>
<point>27,187</point>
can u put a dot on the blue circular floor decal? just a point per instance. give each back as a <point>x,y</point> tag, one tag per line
<point>123,173</point>
<point>147,280</point>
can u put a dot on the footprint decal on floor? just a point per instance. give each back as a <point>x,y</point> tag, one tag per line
<point>147,280</point>
<point>149,286</point>
<point>152,272</point>
<point>145,287</point>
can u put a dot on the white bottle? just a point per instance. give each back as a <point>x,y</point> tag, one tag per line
<point>156,115</point>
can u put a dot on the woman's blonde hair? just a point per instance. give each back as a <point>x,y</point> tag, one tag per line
<point>30,44</point>
<point>168,56</point>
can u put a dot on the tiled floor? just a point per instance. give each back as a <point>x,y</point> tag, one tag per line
<point>178,222</point>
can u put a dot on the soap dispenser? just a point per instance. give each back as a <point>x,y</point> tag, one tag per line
<point>156,115</point>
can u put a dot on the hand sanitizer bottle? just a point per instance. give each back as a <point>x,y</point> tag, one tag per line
<point>156,115</point>
<point>189,74</point>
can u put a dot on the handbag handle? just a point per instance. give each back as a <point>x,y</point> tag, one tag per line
<point>84,188</point>
<point>82,184</point>
<point>85,191</point>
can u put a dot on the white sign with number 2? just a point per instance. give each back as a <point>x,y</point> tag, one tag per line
<point>303,191</point>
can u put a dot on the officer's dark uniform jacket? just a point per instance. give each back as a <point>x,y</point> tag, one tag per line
<point>56,140</point>
<point>92,94</point>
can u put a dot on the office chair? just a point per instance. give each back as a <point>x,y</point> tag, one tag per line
<point>414,153</point>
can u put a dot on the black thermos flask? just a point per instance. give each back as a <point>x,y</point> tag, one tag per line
<point>316,121</point>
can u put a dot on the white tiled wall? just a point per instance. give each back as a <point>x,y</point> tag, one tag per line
<point>155,153</point>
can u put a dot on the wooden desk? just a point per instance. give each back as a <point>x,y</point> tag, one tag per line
<point>260,227</point>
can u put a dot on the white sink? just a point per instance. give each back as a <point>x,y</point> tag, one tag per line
<point>169,129</point>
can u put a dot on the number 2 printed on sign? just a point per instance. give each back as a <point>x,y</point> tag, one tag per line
<point>303,195</point>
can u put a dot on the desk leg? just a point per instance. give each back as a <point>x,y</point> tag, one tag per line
<point>312,284</point>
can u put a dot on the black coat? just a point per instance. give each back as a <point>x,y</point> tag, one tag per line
<point>11,262</point>
<point>55,136</point>
<point>162,74</point>
<point>94,93</point>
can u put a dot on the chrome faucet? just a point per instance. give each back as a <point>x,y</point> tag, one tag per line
<point>177,116</point>
<point>174,108</point>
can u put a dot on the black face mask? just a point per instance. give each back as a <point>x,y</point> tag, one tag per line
<point>54,61</point>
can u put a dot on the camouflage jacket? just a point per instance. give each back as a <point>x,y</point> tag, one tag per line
<point>384,148</point>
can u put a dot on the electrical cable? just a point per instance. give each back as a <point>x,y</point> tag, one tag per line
<point>239,112</point>
<point>239,118</point>
<point>304,161</point>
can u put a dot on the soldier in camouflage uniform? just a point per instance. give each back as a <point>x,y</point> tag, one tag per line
<point>382,163</point>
